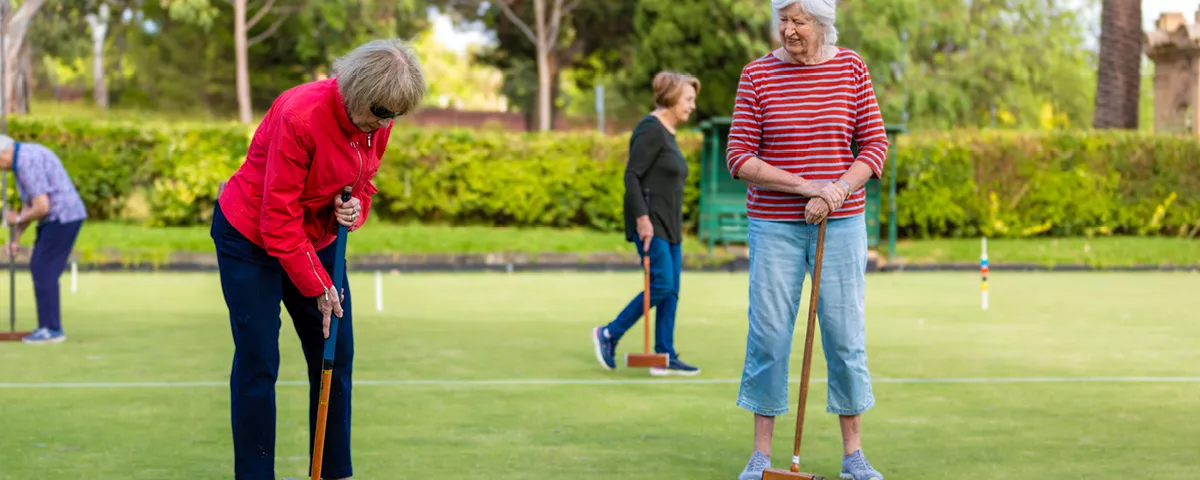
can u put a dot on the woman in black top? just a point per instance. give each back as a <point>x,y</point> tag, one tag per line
<point>655,176</point>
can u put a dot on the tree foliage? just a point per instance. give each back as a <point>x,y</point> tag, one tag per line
<point>711,39</point>
<point>936,64</point>
<point>592,38</point>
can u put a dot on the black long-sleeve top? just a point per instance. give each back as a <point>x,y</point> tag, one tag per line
<point>657,166</point>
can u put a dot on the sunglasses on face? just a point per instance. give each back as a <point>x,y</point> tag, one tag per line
<point>383,113</point>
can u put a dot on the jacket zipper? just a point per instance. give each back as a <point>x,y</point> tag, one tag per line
<point>354,146</point>
<point>314,269</point>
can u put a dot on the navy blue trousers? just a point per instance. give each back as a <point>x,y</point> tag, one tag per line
<point>51,250</point>
<point>254,284</point>
<point>666,264</point>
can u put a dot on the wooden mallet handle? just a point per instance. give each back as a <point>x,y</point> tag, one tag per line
<point>808,344</point>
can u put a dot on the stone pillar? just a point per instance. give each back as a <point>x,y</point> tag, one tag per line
<point>1174,46</point>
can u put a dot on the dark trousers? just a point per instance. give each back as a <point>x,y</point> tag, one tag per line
<point>254,284</point>
<point>666,262</point>
<point>51,250</point>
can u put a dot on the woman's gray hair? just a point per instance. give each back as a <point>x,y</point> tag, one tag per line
<point>6,142</point>
<point>380,72</point>
<point>824,11</point>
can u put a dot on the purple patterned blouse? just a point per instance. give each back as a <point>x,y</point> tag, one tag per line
<point>39,171</point>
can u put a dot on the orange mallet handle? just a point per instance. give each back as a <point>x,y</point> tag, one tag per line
<point>646,304</point>
<point>322,416</point>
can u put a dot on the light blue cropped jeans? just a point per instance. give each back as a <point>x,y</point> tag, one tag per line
<point>781,254</point>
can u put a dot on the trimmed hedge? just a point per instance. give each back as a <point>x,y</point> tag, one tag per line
<point>104,161</point>
<point>497,178</point>
<point>178,167</point>
<point>455,176</point>
<point>952,184</point>
<point>1020,184</point>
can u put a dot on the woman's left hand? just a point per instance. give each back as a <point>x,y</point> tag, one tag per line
<point>346,213</point>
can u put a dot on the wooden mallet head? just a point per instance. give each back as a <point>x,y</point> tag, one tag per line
<point>13,336</point>
<point>646,359</point>
<point>634,360</point>
<point>793,474</point>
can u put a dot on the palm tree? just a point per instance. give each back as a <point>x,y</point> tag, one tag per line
<point>1119,77</point>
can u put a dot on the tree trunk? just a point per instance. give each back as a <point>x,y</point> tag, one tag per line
<point>1118,80</point>
<point>240,54</point>
<point>544,89</point>
<point>14,44</point>
<point>543,65</point>
<point>555,74</point>
<point>99,25</point>
<point>118,83</point>
<point>23,81</point>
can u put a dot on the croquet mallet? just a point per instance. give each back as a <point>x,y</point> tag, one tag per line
<point>794,472</point>
<point>646,359</point>
<point>339,270</point>
<point>12,334</point>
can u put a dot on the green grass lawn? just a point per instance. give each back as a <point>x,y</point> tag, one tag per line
<point>101,240</point>
<point>1026,389</point>
<point>106,240</point>
<point>1099,251</point>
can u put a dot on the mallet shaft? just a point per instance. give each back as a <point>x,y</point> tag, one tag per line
<point>339,271</point>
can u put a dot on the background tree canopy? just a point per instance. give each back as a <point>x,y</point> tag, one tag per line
<point>936,64</point>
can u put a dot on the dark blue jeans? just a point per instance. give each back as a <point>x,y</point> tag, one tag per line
<point>254,283</point>
<point>51,250</point>
<point>666,262</point>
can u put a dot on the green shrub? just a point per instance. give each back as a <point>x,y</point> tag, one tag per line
<point>104,161</point>
<point>107,161</point>
<point>1019,184</point>
<point>1000,184</point>
<point>189,165</point>
<point>497,178</point>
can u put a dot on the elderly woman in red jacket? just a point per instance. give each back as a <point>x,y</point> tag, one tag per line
<point>274,226</point>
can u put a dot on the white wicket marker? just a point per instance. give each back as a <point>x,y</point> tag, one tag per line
<point>983,270</point>
<point>378,291</point>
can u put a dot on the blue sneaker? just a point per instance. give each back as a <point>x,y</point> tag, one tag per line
<point>605,348</point>
<point>856,467</point>
<point>44,335</point>
<point>675,367</point>
<point>754,468</point>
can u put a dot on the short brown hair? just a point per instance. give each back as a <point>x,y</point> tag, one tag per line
<point>668,87</point>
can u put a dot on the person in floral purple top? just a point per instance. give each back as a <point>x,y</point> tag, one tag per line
<point>49,197</point>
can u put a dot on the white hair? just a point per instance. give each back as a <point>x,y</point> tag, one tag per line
<point>824,11</point>
<point>380,72</point>
<point>6,143</point>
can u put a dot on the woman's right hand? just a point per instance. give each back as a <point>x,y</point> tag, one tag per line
<point>834,195</point>
<point>815,210</point>
<point>329,303</point>
<point>645,231</point>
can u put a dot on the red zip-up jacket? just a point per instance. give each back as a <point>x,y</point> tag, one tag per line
<point>303,153</point>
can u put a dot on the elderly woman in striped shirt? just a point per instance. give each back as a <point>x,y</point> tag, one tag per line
<point>797,111</point>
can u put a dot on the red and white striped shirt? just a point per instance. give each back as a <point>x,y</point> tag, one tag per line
<point>802,119</point>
